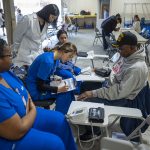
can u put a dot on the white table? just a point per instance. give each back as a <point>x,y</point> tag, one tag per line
<point>91,77</point>
<point>109,111</point>
<point>91,57</point>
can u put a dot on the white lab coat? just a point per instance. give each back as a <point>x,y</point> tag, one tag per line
<point>28,40</point>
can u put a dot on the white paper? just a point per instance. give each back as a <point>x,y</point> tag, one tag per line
<point>91,55</point>
<point>68,82</point>
<point>79,104</point>
<point>87,69</point>
<point>89,77</point>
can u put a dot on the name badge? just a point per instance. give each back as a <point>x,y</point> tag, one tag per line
<point>24,101</point>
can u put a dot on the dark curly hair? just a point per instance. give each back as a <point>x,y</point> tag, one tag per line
<point>60,32</point>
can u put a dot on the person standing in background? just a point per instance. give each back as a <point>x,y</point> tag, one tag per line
<point>2,21</point>
<point>109,25</point>
<point>19,15</point>
<point>105,13</point>
<point>30,32</point>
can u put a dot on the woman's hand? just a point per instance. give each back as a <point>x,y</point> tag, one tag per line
<point>85,95</point>
<point>62,89</point>
<point>30,105</point>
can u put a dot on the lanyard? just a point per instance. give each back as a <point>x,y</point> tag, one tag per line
<point>22,97</point>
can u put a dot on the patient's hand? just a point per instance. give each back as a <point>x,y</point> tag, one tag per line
<point>85,95</point>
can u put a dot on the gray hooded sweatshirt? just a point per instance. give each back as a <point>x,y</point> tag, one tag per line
<point>129,75</point>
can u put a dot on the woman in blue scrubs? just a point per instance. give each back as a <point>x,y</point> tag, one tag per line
<point>40,73</point>
<point>66,69</point>
<point>22,125</point>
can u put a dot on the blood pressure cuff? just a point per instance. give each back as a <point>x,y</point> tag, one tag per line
<point>82,54</point>
<point>103,72</point>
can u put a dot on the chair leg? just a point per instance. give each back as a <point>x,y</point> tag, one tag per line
<point>137,132</point>
<point>100,40</point>
<point>147,55</point>
<point>94,41</point>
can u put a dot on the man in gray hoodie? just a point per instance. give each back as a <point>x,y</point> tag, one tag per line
<point>129,75</point>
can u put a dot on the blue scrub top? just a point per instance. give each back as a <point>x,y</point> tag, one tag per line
<point>42,67</point>
<point>12,101</point>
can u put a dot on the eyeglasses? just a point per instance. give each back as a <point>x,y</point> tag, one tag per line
<point>10,56</point>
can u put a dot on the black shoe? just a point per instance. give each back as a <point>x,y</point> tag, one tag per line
<point>88,136</point>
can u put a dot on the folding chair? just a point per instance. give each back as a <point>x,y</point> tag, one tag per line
<point>98,35</point>
<point>45,103</point>
<point>137,132</point>
<point>111,50</point>
<point>72,28</point>
<point>134,127</point>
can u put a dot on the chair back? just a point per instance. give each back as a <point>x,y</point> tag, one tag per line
<point>142,102</point>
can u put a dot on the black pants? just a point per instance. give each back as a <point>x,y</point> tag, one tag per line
<point>88,86</point>
<point>104,34</point>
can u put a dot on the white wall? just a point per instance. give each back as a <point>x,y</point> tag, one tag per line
<point>75,6</point>
<point>117,6</point>
<point>28,6</point>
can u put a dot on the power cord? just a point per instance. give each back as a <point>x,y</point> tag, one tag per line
<point>78,135</point>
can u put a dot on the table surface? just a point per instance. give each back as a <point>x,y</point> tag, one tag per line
<point>92,55</point>
<point>141,40</point>
<point>109,111</point>
<point>89,76</point>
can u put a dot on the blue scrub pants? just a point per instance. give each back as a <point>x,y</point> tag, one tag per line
<point>65,74</point>
<point>50,131</point>
<point>63,100</point>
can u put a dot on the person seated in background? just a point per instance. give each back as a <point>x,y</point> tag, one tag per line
<point>136,24</point>
<point>66,69</point>
<point>68,25</point>
<point>42,69</point>
<point>109,25</point>
<point>128,76</point>
<point>22,125</point>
